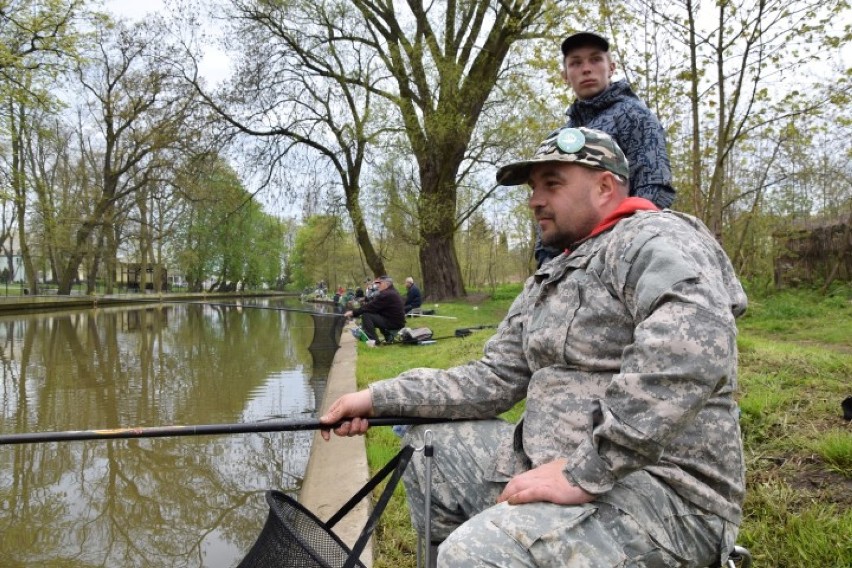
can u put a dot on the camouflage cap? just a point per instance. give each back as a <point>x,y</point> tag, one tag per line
<point>582,146</point>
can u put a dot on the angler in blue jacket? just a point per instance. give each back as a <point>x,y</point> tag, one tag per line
<point>413,298</point>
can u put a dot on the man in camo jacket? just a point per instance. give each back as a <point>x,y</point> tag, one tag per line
<point>624,347</point>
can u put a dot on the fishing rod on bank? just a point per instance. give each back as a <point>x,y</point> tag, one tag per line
<point>459,333</point>
<point>278,309</point>
<point>278,425</point>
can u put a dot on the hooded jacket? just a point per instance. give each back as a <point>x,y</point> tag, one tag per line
<point>619,112</point>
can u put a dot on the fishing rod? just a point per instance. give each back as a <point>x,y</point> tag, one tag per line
<point>279,425</point>
<point>249,306</point>
<point>297,310</point>
<point>430,316</point>
<point>458,334</point>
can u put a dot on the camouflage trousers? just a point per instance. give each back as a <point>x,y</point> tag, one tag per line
<point>640,523</point>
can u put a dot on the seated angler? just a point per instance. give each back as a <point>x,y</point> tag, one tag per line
<point>384,311</point>
<point>413,298</point>
<point>624,349</point>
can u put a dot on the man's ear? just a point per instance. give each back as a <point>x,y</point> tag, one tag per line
<point>608,187</point>
<point>563,73</point>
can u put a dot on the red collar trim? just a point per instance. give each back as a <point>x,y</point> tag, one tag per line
<point>626,208</point>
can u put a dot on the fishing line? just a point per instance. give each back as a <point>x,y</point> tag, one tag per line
<point>247,306</point>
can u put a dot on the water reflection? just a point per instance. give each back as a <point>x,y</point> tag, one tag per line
<point>149,502</point>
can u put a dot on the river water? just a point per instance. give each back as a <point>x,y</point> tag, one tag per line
<point>159,502</point>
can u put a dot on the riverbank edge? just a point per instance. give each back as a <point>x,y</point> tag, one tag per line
<point>31,304</point>
<point>337,469</point>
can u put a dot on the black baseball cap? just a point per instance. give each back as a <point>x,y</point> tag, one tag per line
<point>580,39</point>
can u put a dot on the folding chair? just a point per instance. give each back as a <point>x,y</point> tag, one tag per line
<point>740,558</point>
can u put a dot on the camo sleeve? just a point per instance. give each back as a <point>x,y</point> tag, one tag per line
<point>683,355</point>
<point>480,389</point>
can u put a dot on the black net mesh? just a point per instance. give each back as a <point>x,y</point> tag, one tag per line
<point>293,537</point>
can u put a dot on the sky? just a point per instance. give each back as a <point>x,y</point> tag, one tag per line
<point>215,65</point>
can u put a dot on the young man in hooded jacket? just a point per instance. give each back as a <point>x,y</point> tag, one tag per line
<point>614,108</point>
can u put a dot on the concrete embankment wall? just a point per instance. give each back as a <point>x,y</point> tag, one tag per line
<point>337,469</point>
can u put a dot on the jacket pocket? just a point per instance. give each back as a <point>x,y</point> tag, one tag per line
<point>529,524</point>
<point>549,321</point>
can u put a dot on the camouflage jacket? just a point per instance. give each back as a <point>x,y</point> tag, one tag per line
<point>625,350</point>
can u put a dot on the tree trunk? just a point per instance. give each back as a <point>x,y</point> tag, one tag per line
<point>353,207</point>
<point>110,257</point>
<point>442,276</point>
<point>94,265</point>
<point>26,257</point>
<point>19,188</point>
<point>84,233</point>
<point>739,258</point>
<point>146,259</point>
<point>159,266</point>
<point>695,152</point>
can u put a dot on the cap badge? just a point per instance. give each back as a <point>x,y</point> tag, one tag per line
<point>570,140</point>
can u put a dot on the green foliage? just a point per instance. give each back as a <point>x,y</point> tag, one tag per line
<point>735,130</point>
<point>395,540</point>
<point>40,39</point>
<point>793,374</point>
<point>264,261</point>
<point>785,529</point>
<point>394,212</point>
<point>323,250</point>
<point>835,448</point>
<point>762,408</point>
<point>506,292</point>
<point>802,315</point>
<point>224,233</point>
<point>451,105</point>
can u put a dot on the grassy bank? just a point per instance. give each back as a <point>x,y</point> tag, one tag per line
<point>795,368</point>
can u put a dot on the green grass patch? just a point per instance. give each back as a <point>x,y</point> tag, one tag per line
<point>802,315</point>
<point>835,448</point>
<point>784,528</point>
<point>795,364</point>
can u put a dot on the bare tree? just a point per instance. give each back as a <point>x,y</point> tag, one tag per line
<point>738,57</point>
<point>140,108</point>
<point>317,67</point>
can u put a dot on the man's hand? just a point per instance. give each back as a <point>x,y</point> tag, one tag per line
<point>355,408</point>
<point>545,483</point>
<point>347,314</point>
